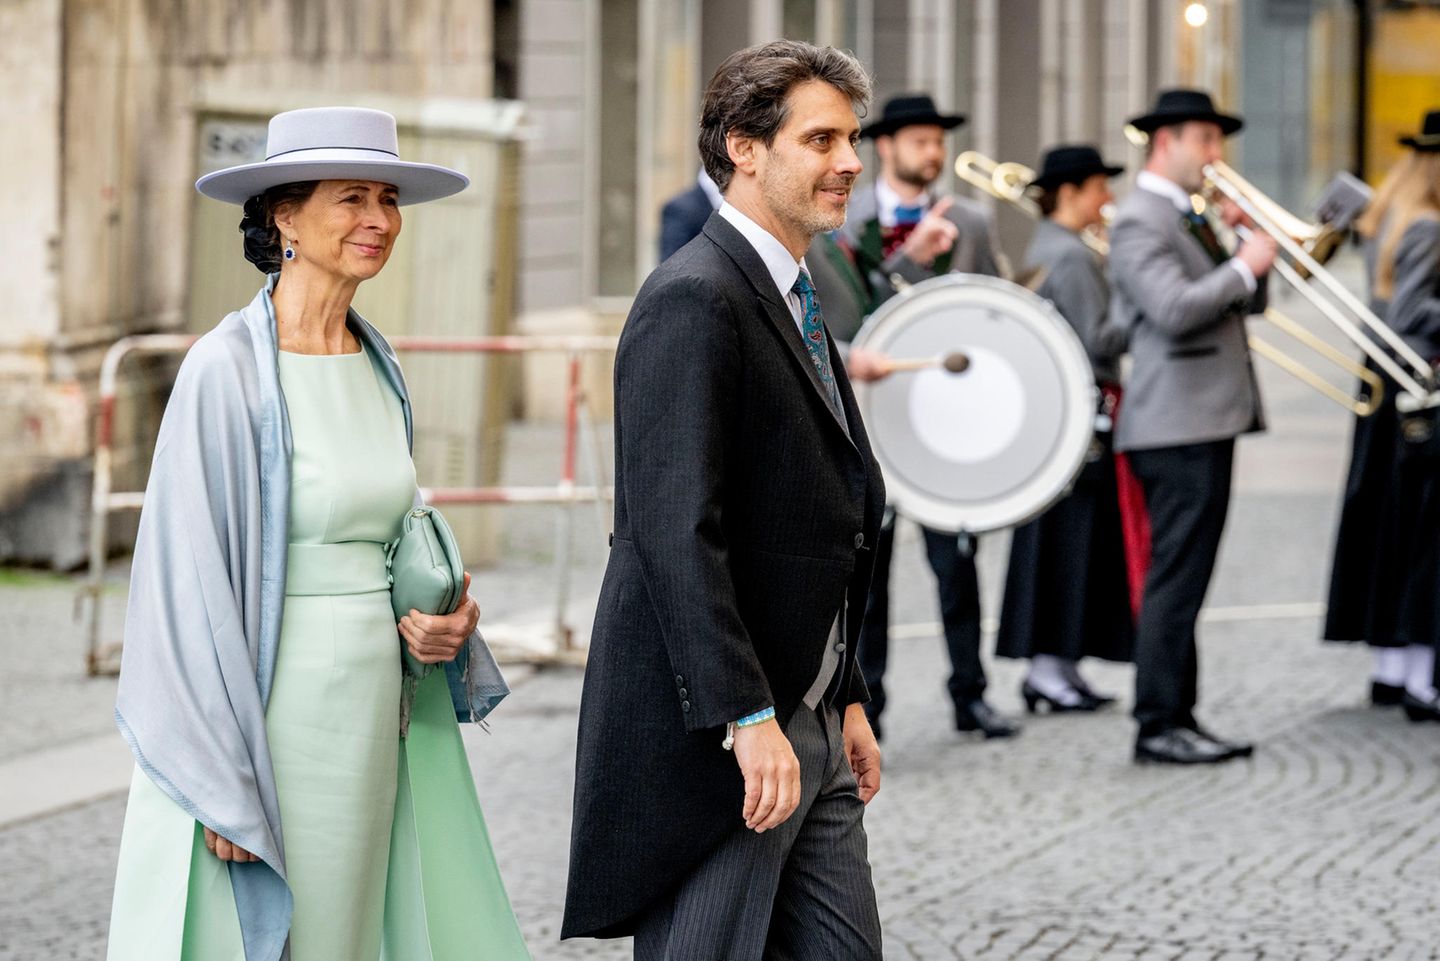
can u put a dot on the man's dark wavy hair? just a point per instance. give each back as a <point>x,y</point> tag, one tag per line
<point>750,91</point>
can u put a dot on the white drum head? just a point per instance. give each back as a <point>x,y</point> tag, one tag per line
<point>996,444</point>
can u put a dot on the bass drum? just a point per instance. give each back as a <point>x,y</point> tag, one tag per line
<point>997,443</point>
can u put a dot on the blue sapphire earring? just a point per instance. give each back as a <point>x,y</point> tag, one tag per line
<point>289,251</point>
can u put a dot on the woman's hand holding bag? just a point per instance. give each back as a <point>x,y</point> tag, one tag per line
<point>437,638</point>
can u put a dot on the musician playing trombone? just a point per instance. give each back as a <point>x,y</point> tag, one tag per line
<point>1383,584</point>
<point>899,230</point>
<point>1066,592</point>
<point>1191,392</point>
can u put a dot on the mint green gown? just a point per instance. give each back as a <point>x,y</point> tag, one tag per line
<point>385,845</point>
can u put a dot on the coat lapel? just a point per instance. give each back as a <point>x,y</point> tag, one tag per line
<point>730,240</point>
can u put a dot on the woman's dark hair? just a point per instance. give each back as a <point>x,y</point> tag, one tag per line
<point>750,95</point>
<point>1047,199</point>
<point>262,237</point>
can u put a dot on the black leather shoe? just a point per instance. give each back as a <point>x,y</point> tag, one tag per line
<point>1419,710</point>
<point>1034,698</point>
<point>1094,696</point>
<point>976,715</point>
<point>1179,746</point>
<point>1386,695</point>
<point>1236,748</point>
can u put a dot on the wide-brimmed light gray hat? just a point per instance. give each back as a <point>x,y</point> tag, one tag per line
<point>333,143</point>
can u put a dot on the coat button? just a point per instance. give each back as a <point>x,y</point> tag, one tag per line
<point>840,647</point>
<point>679,680</point>
<point>859,541</point>
<point>685,706</point>
<point>684,693</point>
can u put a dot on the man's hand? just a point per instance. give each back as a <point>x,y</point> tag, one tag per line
<point>226,851</point>
<point>1257,253</point>
<point>933,235</point>
<point>868,365</point>
<point>862,751</point>
<point>1232,216</point>
<point>437,638</point>
<point>772,775</point>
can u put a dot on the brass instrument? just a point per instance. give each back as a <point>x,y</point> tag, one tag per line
<point>1301,268</point>
<point>1008,182</point>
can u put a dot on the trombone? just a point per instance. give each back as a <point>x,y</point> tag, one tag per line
<point>1008,182</point>
<point>1342,308</point>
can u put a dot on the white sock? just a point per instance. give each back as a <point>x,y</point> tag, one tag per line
<point>1048,676</point>
<point>1389,666</point>
<point>1071,670</point>
<point>1420,671</point>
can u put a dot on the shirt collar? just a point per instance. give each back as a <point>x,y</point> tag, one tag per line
<point>783,268</point>
<point>1169,189</point>
<point>712,192</point>
<point>886,200</point>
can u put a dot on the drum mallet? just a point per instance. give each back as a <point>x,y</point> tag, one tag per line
<point>955,362</point>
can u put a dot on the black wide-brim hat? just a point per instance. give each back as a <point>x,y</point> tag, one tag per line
<point>1428,139</point>
<point>1071,164</point>
<point>909,110</point>
<point>1178,106</point>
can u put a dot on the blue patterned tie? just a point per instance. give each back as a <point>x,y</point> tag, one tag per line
<point>812,329</point>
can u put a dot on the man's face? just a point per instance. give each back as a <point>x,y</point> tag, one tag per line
<point>1188,148</point>
<point>914,155</point>
<point>806,174</point>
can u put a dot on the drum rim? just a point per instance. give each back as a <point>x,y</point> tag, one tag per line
<point>1077,431</point>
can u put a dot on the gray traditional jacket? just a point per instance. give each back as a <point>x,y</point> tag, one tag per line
<point>1075,283</point>
<point>1414,309</point>
<point>1191,381</point>
<point>207,591</point>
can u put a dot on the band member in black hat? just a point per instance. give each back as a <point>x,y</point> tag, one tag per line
<point>1386,570</point>
<point>900,227</point>
<point>1191,391</point>
<point>1066,592</point>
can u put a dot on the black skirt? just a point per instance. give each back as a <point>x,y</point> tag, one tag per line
<point>1366,568</point>
<point>1407,605</point>
<point>1066,592</point>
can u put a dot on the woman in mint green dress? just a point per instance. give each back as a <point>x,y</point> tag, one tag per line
<point>276,810</point>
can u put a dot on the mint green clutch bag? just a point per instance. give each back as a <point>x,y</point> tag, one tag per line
<point>425,573</point>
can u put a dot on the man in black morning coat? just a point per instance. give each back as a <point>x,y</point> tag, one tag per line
<point>746,502</point>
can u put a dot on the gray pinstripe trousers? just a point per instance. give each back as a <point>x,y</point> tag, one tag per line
<point>799,892</point>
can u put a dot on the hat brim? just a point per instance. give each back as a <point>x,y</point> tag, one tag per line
<point>1078,175</point>
<point>1151,122</point>
<point>881,128</point>
<point>1428,144</point>
<point>416,182</point>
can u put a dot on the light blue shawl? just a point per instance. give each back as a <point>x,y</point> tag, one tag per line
<point>207,591</point>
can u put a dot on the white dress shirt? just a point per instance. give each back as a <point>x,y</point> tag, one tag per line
<point>1180,197</point>
<point>782,266</point>
<point>712,192</point>
<point>886,200</point>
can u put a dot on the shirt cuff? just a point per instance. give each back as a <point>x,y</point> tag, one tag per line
<point>1243,269</point>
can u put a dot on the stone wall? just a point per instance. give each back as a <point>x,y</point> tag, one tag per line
<point>107,92</point>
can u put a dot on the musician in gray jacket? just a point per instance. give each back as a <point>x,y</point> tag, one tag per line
<point>1192,390</point>
<point>1066,592</point>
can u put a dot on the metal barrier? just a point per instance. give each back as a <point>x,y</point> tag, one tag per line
<point>579,419</point>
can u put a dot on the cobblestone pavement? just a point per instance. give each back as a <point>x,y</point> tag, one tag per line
<point>1052,847</point>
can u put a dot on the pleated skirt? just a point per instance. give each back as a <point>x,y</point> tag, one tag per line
<point>1066,591</point>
